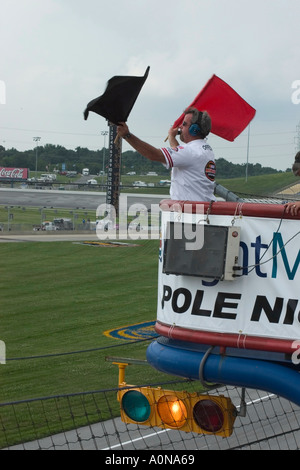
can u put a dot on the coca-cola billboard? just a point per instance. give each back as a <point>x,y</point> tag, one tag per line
<point>14,173</point>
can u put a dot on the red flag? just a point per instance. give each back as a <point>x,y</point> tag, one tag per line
<point>229,112</point>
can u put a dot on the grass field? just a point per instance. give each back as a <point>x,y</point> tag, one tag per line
<point>60,297</point>
<point>262,185</point>
<point>19,218</point>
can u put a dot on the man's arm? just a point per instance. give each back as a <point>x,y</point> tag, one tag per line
<point>139,145</point>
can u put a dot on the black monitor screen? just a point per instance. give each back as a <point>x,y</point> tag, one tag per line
<point>208,261</point>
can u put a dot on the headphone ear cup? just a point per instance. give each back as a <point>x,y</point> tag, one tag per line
<point>194,129</point>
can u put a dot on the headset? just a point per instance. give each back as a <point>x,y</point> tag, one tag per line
<point>195,128</point>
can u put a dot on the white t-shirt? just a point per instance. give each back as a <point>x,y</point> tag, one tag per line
<point>193,171</point>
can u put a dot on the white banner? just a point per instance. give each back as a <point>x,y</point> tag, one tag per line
<point>263,301</point>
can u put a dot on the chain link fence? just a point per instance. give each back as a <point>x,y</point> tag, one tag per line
<point>91,421</point>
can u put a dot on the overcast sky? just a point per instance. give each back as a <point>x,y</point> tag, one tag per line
<point>57,55</point>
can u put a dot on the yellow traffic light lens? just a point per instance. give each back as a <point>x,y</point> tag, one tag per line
<point>172,411</point>
<point>208,415</point>
<point>136,406</point>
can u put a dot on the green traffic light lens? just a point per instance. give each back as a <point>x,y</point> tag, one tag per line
<point>136,406</point>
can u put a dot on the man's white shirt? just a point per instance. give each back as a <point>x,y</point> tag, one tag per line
<point>193,171</point>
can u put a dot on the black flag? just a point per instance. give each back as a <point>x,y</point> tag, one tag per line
<point>118,99</point>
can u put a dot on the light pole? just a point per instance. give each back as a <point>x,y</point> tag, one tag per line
<point>36,139</point>
<point>104,133</point>
<point>247,153</point>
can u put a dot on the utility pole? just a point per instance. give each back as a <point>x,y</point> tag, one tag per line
<point>36,139</point>
<point>297,146</point>
<point>247,162</point>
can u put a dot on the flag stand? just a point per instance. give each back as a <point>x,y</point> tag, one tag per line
<point>114,168</point>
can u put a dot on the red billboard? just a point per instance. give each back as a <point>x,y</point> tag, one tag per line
<point>14,173</point>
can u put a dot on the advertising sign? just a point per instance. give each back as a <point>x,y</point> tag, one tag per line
<point>14,173</point>
<point>263,297</point>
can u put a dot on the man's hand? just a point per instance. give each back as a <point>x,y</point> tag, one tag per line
<point>292,207</point>
<point>173,132</point>
<point>122,129</point>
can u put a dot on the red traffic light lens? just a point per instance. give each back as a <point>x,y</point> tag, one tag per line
<point>208,415</point>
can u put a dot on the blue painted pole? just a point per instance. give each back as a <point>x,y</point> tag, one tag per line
<point>240,372</point>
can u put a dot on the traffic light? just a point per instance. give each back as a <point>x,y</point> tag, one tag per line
<point>189,412</point>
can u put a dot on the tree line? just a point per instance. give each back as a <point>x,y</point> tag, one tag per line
<point>51,157</point>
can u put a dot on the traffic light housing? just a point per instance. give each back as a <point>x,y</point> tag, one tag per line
<point>189,412</point>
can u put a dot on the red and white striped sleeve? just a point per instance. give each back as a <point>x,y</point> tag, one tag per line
<point>168,157</point>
